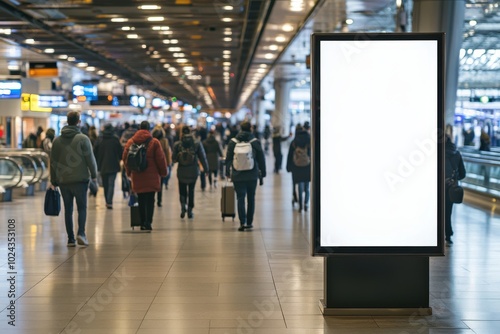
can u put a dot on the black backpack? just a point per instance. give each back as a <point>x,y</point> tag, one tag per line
<point>186,155</point>
<point>136,158</point>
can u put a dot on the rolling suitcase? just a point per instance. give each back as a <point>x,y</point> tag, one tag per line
<point>135,216</point>
<point>227,201</point>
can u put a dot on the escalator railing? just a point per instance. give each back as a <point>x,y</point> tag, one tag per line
<point>483,172</point>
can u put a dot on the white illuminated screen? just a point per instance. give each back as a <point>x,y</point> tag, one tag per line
<point>378,153</point>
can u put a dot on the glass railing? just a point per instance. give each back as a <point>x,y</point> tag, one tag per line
<point>482,172</point>
<point>11,174</point>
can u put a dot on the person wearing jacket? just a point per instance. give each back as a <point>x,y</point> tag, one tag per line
<point>108,153</point>
<point>213,151</point>
<point>72,165</point>
<point>454,169</point>
<point>147,182</point>
<point>159,134</point>
<point>301,175</point>
<point>188,153</point>
<point>245,182</point>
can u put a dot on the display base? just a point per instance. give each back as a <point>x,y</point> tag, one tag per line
<point>422,311</point>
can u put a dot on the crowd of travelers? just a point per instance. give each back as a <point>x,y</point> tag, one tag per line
<point>83,156</point>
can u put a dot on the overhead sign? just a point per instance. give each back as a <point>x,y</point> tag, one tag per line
<point>378,161</point>
<point>52,101</point>
<point>43,69</point>
<point>10,89</point>
<point>30,102</point>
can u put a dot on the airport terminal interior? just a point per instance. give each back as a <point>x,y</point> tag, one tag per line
<point>207,64</point>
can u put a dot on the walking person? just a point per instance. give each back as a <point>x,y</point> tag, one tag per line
<point>245,174</point>
<point>50,134</point>
<point>299,164</point>
<point>187,154</point>
<point>454,169</point>
<point>159,134</point>
<point>72,166</point>
<point>147,182</point>
<point>213,151</point>
<point>108,153</point>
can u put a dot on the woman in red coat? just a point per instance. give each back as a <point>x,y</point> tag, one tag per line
<point>147,182</point>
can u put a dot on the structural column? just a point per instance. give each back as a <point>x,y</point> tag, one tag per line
<point>448,17</point>
<point>281,115</point>
<point>260,111</point>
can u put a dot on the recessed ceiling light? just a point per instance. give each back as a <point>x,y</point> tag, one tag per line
<point>171,69</point>
<point>174,49</point>
<point>287,27</point>
<point>5,31</point>
<point>188,68</point>
<point>82,64</point>
<point>227,19</point>
<point>127,28</point>
<point>49,50</point>
<point>472,23</point>
<point>101,72</point>
<point>166,65</point>
<point>156,56</point>
<point>269,56</point>
<point>71,59</point>
<point>226,68</point>
<point>166,32</point>
<point>296,5</point>
<point>109,75</point>
<point>29,41</point>
<point>149,7</point>
<point>263,65</point>
<point>63,57</point>
<point>226,56</point>
<point>226,52</point>
<point>349,21</point>
<point>182,60</point>
<point>156,18</point>
<point>273,47</point>
<point>227,39</point>
<point>179,55</point>
<point>90,69</point>
<point>119,19</point>
<point>132,36</point>
<point>261,70</point>
<point>161,28</point>
<point>226,63</point>
<point>144,46</point>
<point>280,39</point>
<point>228,7</point>
<point>228,33</point>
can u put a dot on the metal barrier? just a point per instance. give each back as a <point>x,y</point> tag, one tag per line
<point>11,176</point>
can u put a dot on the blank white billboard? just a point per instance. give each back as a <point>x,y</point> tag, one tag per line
<point>378,145</point>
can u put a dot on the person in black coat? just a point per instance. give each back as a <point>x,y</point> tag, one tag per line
<point>214,152</point>
<point>245,181</point>
<point>108,153</point>
<point>454,169</point>
<point>188,171</point>
<point>300,166</point>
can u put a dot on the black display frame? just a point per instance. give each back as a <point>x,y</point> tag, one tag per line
<point>317,248</point>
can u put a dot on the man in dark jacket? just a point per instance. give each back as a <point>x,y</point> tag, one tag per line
<point>108,153</point>
<point>454,169</point>
<point>214,152</point>
<point>245,181</point>
<point>72,165</point>
<point>188,153</point>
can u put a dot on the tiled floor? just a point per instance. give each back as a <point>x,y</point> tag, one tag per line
<point>201,276</point>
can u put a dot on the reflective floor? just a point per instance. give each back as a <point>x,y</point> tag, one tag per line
<point>202,276</point>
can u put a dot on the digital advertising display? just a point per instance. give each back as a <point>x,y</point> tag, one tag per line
<point>85,92</point>
<point>10,89</point>
<point>378,144</point>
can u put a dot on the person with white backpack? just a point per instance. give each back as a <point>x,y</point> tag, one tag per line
<point>245,164</point>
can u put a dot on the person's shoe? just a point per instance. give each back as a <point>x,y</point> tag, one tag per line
<point>183,213</point>
<point>71,243</point>
<point>249,227</point>
<point>241,228</point>
<point>190,214</point>
<point>159,204</point>
<point>82,240</point>
<point>109,206</point>
<point>145,229</point>
<point>305,208</point>
<point>448,242</point>
<point>215,183</point>
<point>300,207</point>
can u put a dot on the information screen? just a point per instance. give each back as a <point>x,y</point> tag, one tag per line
<point>378,144</point>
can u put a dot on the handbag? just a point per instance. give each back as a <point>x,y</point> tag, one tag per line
<point>455,191</point>
<point>52,204</point>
